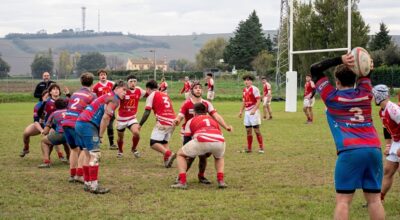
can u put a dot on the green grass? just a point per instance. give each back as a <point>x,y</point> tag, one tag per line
<point>292,180</point>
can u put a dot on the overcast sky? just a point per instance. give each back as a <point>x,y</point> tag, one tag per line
<point>163,17</point>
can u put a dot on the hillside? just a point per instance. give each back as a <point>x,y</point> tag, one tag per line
<point>19,53</point>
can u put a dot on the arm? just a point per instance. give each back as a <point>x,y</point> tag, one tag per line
<point>221,121</point>
<point>241,109</point>
<point>46,130</point>
<point>317,69</point>
<point>112,104</point>
<point>103,124</point>
<point>183,89</point>
<point>38,92</point>
<point>41,109</point>
<point>38,127</point>
<point>145,116</point>
<point>178,119</point>
<point>314,90</point>
<point>256,107</point>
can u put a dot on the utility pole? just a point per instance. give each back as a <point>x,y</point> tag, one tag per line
<point>155,65</point>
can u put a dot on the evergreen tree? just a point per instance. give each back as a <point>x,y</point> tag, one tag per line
<point>210,54</point>
<point>381,40</point>
<point>91,62</point>
<point>248,42</point>
<point>41,63</point>
<point>4,68</point>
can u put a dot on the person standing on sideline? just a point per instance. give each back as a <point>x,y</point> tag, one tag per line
<point>359,161</point>
<point>163,86</point>
<point>42,86</point>
<point>210,87</point>
<point>105,86</point>
<point>309,100</point>
<point>186,87</point>
<point>267,97</point>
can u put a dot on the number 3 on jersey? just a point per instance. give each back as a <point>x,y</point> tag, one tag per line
<point>166,102</point>
<point>358,117</point>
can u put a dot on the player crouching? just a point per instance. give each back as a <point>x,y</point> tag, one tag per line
<point>207,138</point>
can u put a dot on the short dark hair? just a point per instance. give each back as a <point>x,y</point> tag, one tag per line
<point>308,74</point>
<point>200,108</point>
<point>87,79</point>
<point>131,77</point>
<point>345,75</point>
<point>210,74</point>
<point>248,77</point>
<point>196,83</point>
<point>44,92</point>
<point>61,104</point>
<point>118,84</point>
<point>152,84</point>
<point>52,86</point>
<point>263,77</point>
<point>102,71</point>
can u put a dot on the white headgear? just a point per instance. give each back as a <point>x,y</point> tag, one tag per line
<point>380,92</point>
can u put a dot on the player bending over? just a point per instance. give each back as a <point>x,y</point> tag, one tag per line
<point>207,138</point>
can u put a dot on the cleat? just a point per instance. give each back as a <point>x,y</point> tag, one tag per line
<point>136,153</point>
<point>222,185</point>
<point>113,147</point>
<point>120,155</point>
<point>245,151</point>
<point>64,160</point>
<point>270,118</point>
<point>179,186</point>
<point>176,180</point>
<point>261,151</point>
<point>204,180</point>
<point>23,153</point>
<point>71,179</point>
<point>79,179</point>
<point>170,160</point>
<point>44,165</point>
<point>86,188</point>
<point>265,118</point>
<point>99,190</point>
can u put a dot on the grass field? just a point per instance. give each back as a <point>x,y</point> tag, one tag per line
<point>292,180</point>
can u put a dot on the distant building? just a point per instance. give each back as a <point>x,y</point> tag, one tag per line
<point>146,64</point>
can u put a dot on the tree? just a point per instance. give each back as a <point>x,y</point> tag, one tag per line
<point>249,40</point>
<point>381,40</point>
<point>41,63</point>
<point>391,56</point>
<point>182,65</point>
<point>211,53</point>
<point>262,62</point>
<point>322,24</point>
<point>64,64</point>
<point>4,68</point>
<point>91,61</point>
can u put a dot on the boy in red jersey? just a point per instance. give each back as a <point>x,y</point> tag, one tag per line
<point>207,138</point>
<point>163,86</point>
<point>267,97</point>
<point>90,127</point>
<point>186,88</point>
<point>77,103</point>
<point>309,99</point>
<point>127,116</point>
<point>210,87</point>
<point>359,162</point>
<point>187,112</point>
<point>390,115</point>
<point>165,115</point>
<point>56,137</point>
<point>105,86</point>
<point>252,119</point>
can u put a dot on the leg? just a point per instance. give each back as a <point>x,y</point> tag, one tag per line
<point>45,145</point>
<point>182,167</point>
<point>120,142</point>
<point>73,161</point>
<point>269,110</point>
<point>389,171</point>
<point>202,168</point>
<point>67,150</point>
<point>375,207</point>
<point>264,111</point>
<point>219,167</point>
<point>343,202</point>
<point>110,133</point>
<point>259,138</point>
<point>135,136</point>
<point>305,110</point>
<point>29,131</point>
<point>249,138</point>
<point>310,114</point>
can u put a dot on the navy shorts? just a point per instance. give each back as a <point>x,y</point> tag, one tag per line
<point>56,138</point>
<point>359,169</point>
<point>70,137</point>
<point>87,136</point>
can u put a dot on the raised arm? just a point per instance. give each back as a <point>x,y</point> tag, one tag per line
<point>317,69</point>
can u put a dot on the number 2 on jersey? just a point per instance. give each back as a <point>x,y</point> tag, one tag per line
<point>76,101</point>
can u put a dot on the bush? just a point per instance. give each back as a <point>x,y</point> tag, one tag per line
<point>389,76</point>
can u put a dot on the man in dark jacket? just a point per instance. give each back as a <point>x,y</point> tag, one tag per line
<point>42,85</point>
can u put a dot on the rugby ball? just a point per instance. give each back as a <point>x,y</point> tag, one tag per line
<point>362,61</point>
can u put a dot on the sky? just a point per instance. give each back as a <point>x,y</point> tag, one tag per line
<point>164,17</point>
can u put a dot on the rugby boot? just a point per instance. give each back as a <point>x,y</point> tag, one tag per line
<point>170,160</point>
<point>113,147</point>
<point>79,179</point>
<point>222,185</point>
<point>120,155</point>
<point>99,190</point>
<point>204,180</point>
<point>136,153</point>
<point>44,165</point>
<point>179,186</point>
<point>261,151</point>
<point>23,153</point>
<point>86,188</point>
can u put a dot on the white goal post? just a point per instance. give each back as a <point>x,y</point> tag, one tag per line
<point>291,76</point>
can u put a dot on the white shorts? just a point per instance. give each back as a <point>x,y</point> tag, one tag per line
<point>162,132</point>
<point>121,125</point>
<point>393,153</point>
<point>210,95</point>
<point>267,100</point>
<point>252,120</point>
<point>308,102</point>
<point>187,95</point>
<point>194,148</point>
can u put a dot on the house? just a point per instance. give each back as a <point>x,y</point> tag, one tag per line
<point>146,64</point>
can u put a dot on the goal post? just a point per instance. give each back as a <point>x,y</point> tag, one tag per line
<point>291,76</point>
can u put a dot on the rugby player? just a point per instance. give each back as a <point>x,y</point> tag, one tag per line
<point>163,86</point>
<point>210,87</point>
<point>186,87</point>
<point>309,99</point>
<point>267,97</point>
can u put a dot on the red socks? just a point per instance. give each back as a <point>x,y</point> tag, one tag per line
<point>93,173</point>
<point>60,154</point>
<point>86,174</point>
<point>260,141</point>
<point>46,161</point>
<point>249,141</point>
<point>135,141</point>
<point>220,177</point>
<point>120,145</point>
<point>72,172</point>
<point>182,178</point>
<point>79,171</point>
<point>167,154</point>
<point>200,175</point>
